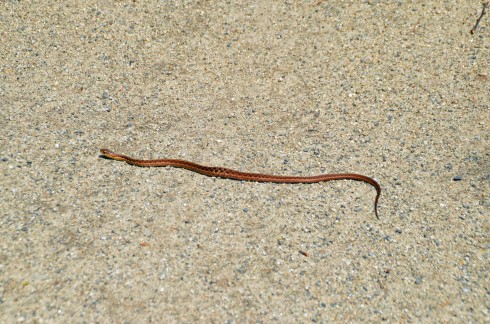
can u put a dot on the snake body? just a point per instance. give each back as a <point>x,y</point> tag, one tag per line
<point>244,176</point>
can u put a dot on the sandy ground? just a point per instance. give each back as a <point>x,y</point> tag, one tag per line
<point>396,90</point>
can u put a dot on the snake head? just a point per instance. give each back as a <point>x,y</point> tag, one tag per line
<point>111,155</point>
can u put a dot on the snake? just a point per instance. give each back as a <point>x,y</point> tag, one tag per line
<point>226,173</point>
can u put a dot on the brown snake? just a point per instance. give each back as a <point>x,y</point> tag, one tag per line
<point>244,176</point>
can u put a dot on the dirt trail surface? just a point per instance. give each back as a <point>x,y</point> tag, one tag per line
<point>395,90</point>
